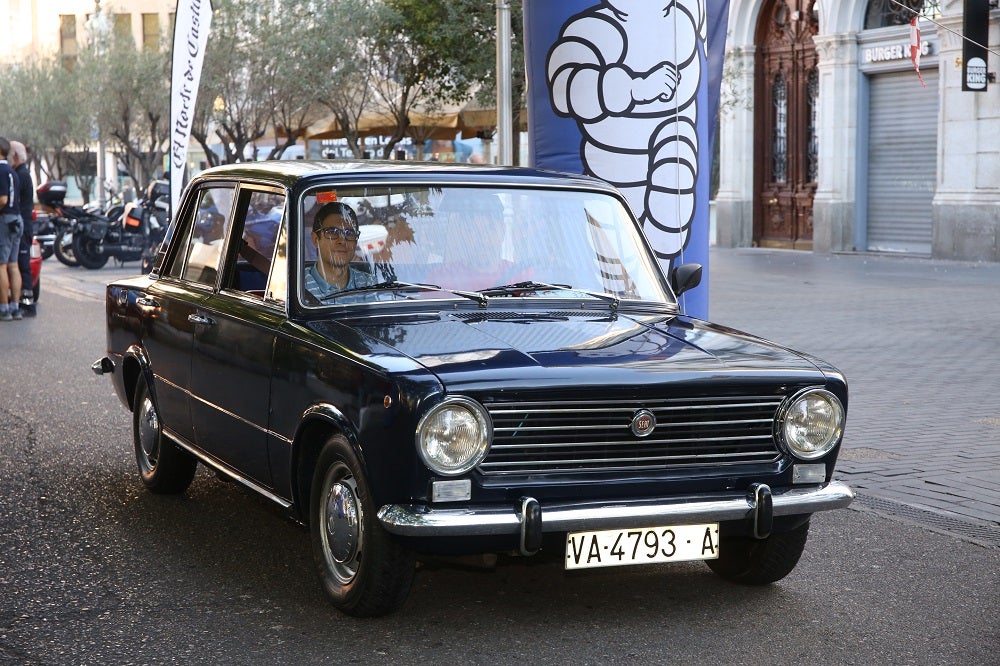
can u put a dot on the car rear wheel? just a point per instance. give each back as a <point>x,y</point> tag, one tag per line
<point>363,570</point>
<point>760,561</point>
<point>165,468</point>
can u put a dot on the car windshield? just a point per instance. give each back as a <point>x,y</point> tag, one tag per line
<point>362,244</point>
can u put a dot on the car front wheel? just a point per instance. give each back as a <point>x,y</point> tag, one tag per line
<point>760,561</point>
<point>363,570</point>
<point>164,468</point>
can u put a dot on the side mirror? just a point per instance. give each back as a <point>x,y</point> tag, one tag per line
<point>684,278</point>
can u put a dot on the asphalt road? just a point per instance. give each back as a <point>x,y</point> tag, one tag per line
<point>94,570</point>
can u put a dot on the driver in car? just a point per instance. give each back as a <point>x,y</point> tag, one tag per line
<point>335,235</point>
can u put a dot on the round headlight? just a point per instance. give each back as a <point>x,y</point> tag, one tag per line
<point>810,423</point>
<point>454,436</point>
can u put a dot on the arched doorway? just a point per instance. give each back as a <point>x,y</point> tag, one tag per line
<point>786,150</point>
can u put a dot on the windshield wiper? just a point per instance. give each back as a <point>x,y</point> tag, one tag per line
<point>393,285</point>
<point>529,285</point>
<point>614,301</point>
<point>396,285</point>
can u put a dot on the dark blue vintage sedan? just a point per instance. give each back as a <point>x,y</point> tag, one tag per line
<point>425,359</point>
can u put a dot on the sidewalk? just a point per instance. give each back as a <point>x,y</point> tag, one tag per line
<point>919,341</point>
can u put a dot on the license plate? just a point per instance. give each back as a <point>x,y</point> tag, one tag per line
<point>642,545</point>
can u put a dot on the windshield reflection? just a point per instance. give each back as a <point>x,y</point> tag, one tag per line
<point>470,239</point>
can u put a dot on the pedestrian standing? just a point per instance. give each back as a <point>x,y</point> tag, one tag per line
<point>26,204</point>
<point>10,238</point>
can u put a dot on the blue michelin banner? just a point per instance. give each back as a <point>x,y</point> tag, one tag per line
<point>627,91</point>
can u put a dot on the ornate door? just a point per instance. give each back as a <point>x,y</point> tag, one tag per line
<point>785,143</point>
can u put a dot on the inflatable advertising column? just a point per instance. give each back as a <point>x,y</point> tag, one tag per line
<point>627,91</point>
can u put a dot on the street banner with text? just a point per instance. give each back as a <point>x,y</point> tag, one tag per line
<point>191,25</point>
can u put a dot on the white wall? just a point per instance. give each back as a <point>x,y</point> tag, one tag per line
<point>34,24</point>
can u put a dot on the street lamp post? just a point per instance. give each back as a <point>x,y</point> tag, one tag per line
<point>505,112</point>
<point>100,28</point>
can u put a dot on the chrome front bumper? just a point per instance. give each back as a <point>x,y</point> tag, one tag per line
<point>528,519</point>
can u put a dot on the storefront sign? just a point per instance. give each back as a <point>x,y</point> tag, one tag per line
<point>976,34</point>
<point>892,52</point>
<point>975,75</point>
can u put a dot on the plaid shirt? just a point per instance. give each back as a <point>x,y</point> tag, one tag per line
<point>320,288</point>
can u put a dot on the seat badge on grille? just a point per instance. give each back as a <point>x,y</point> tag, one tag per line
<point>643,423</point>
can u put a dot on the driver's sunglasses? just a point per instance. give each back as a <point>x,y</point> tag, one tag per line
<point>333,233</point>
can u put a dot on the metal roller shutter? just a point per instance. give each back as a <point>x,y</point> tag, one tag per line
<point>902,161</point>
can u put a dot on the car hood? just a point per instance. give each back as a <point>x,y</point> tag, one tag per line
<point>480,350</point>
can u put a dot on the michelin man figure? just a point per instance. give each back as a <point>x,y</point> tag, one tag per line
<point>628,72</point>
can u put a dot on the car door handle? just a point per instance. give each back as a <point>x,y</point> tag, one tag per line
<point>147,302</point>
<point>201,319</point>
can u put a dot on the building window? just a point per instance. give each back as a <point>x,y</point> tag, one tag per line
<point>123,25</point>
<point>779,142</point>
<point>68,48</point>
<point>151,32</point>
<point>885,13</point>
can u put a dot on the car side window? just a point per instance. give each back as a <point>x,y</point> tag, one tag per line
<point>277,283</point>
<point>261,245</point>
<point>206,236</point>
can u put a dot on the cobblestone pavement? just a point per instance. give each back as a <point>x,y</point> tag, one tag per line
<point>919,341</point>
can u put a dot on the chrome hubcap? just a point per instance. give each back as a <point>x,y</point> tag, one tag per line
<point>149,435</point>
<point>342,525</point>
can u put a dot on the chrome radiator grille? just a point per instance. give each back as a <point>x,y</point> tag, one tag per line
<point>553,437</point>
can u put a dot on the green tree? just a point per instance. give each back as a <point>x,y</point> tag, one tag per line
<point>454,52</point>
<point>40,102</point>
<point>410,68</point>
<point>233,99</point>
<point>292,82</point>
<point>130,98</point>
<point>345,38</point>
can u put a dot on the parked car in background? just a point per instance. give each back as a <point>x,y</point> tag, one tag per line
<point>507,370</point>
<point>36,272</point>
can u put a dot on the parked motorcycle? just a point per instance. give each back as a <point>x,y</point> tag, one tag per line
<point>51,196</point>
<point>63,245</point>
<point>135,234</point>
<point>45,232</point>
<point>152,212</point>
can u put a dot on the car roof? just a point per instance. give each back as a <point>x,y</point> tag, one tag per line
<point>294,172</point>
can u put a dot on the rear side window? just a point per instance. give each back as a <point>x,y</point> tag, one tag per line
<point>260,266</point>
<point>206,229</point>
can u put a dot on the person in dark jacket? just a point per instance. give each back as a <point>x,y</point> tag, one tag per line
<point>26,203</point>
<point>10,238</point>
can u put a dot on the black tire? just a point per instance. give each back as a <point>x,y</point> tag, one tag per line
<point>164,468</point>
<point>89,252</point>
<point>47,251</point>
<point>62,247</point>
<point>760,561</point>
<point>364,571</point>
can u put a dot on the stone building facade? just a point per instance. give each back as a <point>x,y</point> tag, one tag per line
<point>829,142</point>
<point>43,28</point>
